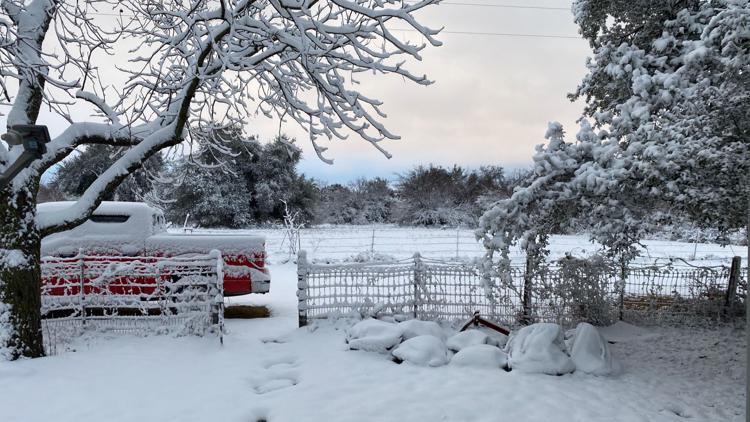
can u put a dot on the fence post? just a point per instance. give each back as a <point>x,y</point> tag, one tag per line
<point>302,271</point>
<point>81,293</point>
<point>623,279</point>
<point>418,270</point>
<point>372,242</point>
<point>457,240</point>
<point>528,273</point>
<point>734,278</point>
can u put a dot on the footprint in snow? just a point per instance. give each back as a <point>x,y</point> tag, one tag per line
<point>278,373</point>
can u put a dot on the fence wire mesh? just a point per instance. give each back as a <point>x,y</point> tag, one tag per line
<point>131,294</point>
<point>452,291</point>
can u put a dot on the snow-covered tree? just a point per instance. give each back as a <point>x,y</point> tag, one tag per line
<point>189,63</point>
<point>361,202</point>
<point>77,173</point>
<point>253,181</point>
<point>666,130</point>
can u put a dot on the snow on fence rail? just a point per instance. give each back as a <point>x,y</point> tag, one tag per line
<point>132,294</point>
<point>432,289</point>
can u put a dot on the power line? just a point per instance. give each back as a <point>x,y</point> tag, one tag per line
<point>474,33</point>
<point>499,34</point>
<point>503,6</point>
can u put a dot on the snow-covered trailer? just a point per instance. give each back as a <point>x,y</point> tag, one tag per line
<point>132,231</point>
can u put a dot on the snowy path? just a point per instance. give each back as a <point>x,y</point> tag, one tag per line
<point>269,370</point>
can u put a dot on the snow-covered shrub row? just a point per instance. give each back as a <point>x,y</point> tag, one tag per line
<point>537,348</point>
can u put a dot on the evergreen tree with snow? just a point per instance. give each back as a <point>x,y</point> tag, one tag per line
<point>665,131</point>
<point>77,173</point>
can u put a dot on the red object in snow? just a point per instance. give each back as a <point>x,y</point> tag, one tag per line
<point>133,231</point>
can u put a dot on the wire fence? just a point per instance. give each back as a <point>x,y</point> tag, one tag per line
<point>337,243</point>
<point>131,294</point>
<point>432,289</point>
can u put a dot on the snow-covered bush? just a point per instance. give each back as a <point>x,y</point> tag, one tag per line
<point>480,356</point>
<point>424,350</point>
<point>539,348</point>
<point>373,335</point>
<point>414,327</point>
<point>580,289</point>
<point>590,352</point>
<point>464,339</point>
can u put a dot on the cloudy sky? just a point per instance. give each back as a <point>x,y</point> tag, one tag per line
<point>492,98</point>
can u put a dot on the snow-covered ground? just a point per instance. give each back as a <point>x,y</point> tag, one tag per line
<point>343,242</point>
<point>270,370</point>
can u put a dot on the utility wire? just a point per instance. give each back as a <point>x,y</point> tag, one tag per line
<point>499,34</point>
<point>503,6</point>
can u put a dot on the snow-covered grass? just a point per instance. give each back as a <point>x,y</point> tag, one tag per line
<point>344,242</point>
<point>270,370</point>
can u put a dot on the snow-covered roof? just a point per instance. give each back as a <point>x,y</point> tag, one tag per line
<point>105,208</point>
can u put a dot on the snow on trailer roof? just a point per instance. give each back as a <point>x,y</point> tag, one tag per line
<point>105,208</point>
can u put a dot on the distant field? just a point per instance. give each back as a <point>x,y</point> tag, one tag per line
<point>345,242</point>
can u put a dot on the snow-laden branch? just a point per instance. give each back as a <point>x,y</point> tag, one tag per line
<point>200,63</point>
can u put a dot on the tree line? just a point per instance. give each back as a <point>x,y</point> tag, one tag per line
<point>237,181</point>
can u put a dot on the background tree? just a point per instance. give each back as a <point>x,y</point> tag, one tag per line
<point>364,201</point>
<point>438,196</point>
<point>237,182</point>
<point>195,60</point>
<point>76,174</point>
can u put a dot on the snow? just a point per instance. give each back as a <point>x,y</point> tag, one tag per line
<point>425,350</point>
<point>269,369</point>
<point>415,327</point>
<point>141,233</point>
<point>590,352</point>
<point>372,335</point>
<point>480,356</point>
<point>622,331</point>
<point>346,242</point>
<point>539,348</point>
<point>465,339</point>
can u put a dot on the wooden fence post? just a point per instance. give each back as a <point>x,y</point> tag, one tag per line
<point>302,271</point>
<point>528,285</point>
<point>734,278</point>
<point>417,281</point>
<point>623,280</point>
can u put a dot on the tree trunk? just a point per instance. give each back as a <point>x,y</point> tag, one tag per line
<point>20,275</point>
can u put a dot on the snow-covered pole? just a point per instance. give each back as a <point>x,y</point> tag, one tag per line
<point>302,269</point>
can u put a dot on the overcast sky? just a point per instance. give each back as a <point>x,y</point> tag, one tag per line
<point>492,97</point>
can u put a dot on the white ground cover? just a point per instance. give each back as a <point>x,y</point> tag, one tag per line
<point>270,370</point>
<point>342,242</point>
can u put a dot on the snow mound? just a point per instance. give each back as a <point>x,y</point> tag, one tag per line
<point>372,335</point>
<point>423,351</point>
<point>415,327</point>
<point>465,339</point>
<point>480,356</point>
<point>539,348</point>
<point>590,352</point>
